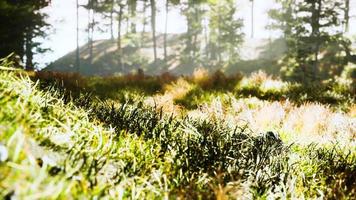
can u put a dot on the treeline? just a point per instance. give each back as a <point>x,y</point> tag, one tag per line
<point>314,31</point>
<point>211,24</point>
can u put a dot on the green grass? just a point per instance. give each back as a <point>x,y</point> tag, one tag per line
<point>39,131</point>
<point>61,146</point>
<point>338,93</point>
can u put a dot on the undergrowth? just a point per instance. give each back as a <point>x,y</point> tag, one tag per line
<point>59,145</point>
<point>340,94</point>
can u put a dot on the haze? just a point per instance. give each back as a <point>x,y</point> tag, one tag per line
<point>62,41</point>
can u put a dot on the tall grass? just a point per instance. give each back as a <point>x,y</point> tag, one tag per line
<point>189,91</point>
<point>61,146</point>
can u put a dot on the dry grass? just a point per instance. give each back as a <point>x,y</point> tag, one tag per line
<point>311,122</point>
<point>303,123</point>
<point>352,111</point>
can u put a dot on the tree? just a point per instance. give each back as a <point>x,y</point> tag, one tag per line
<point>283,18</point>
<point>21,22</point>
<point>194,16</point>
<point>347,15</point>
<point>252,17</point>
<point>111,3</point>
<point>93,7</point>
<point>315,50</point>
<point>77,60</point>
<point>153,26</point>
<point>107,9</point>
<point>144,21</point>
<point>225,32</point>
<point>132,5</point>
<point>119,21</point>
<point>165,31</point>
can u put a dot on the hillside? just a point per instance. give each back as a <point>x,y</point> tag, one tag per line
<point>254,54</point>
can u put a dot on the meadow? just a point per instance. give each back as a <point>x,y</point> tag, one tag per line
<point>205,136</point>
<point>128,99</point>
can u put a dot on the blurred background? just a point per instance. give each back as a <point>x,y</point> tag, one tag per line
<point>295,39</point>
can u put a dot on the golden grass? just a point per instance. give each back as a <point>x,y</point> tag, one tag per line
<point>310,122</point>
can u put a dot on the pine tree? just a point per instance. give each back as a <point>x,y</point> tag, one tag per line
<point>315,50</point>
<point>225,32</point>
<point>21,22</point>
<point>132,6</point>
<point>194,15</point>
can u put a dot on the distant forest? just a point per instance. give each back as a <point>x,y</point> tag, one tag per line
<point>314,32</point>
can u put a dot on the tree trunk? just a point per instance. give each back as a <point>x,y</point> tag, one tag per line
<point>112,20</point>
<point>92,37</point>
<point>90,30</point>
<point>197,30</point>
<point>252,18</point>
<point>219,37</point>
<point>288,27</point>
<point>77,61</point>
<point>190,30</point>
<point>347,15</point>
<point>133,6</point>
<point>315,24</point>
<point>89,40</point>
<point>119,50</point>
<point>128,21</point>
<point>153,25</point>
<point>143,22</point>
<point>165,31</point>
<point>206,40</point>
<point>28,51</point>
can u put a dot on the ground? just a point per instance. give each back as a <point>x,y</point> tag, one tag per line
<point>186,140</point>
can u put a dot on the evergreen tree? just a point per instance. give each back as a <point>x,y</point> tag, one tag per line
<point>194,15</point>
<point>144,20</point>
<point>225,32</point>
<point>132,6</point>
<point>315,50</point>
<point>107,10</point>
<point>22,22</point>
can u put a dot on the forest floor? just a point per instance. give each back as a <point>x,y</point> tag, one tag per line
<point>199,137</point>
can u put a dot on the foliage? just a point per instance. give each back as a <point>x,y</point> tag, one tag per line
<point>201,87</point>
<point>315,51</point>
<point>225,32</point>
<point>21,23</point>
<point>81,147</point>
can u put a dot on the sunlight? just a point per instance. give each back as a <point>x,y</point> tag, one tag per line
<point>222,99</point>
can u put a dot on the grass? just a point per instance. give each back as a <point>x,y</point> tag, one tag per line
<point>190,91</point>
<point>37,128</point>
<point>57,144</point>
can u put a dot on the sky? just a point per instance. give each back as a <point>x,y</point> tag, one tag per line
<point>62,37</point>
